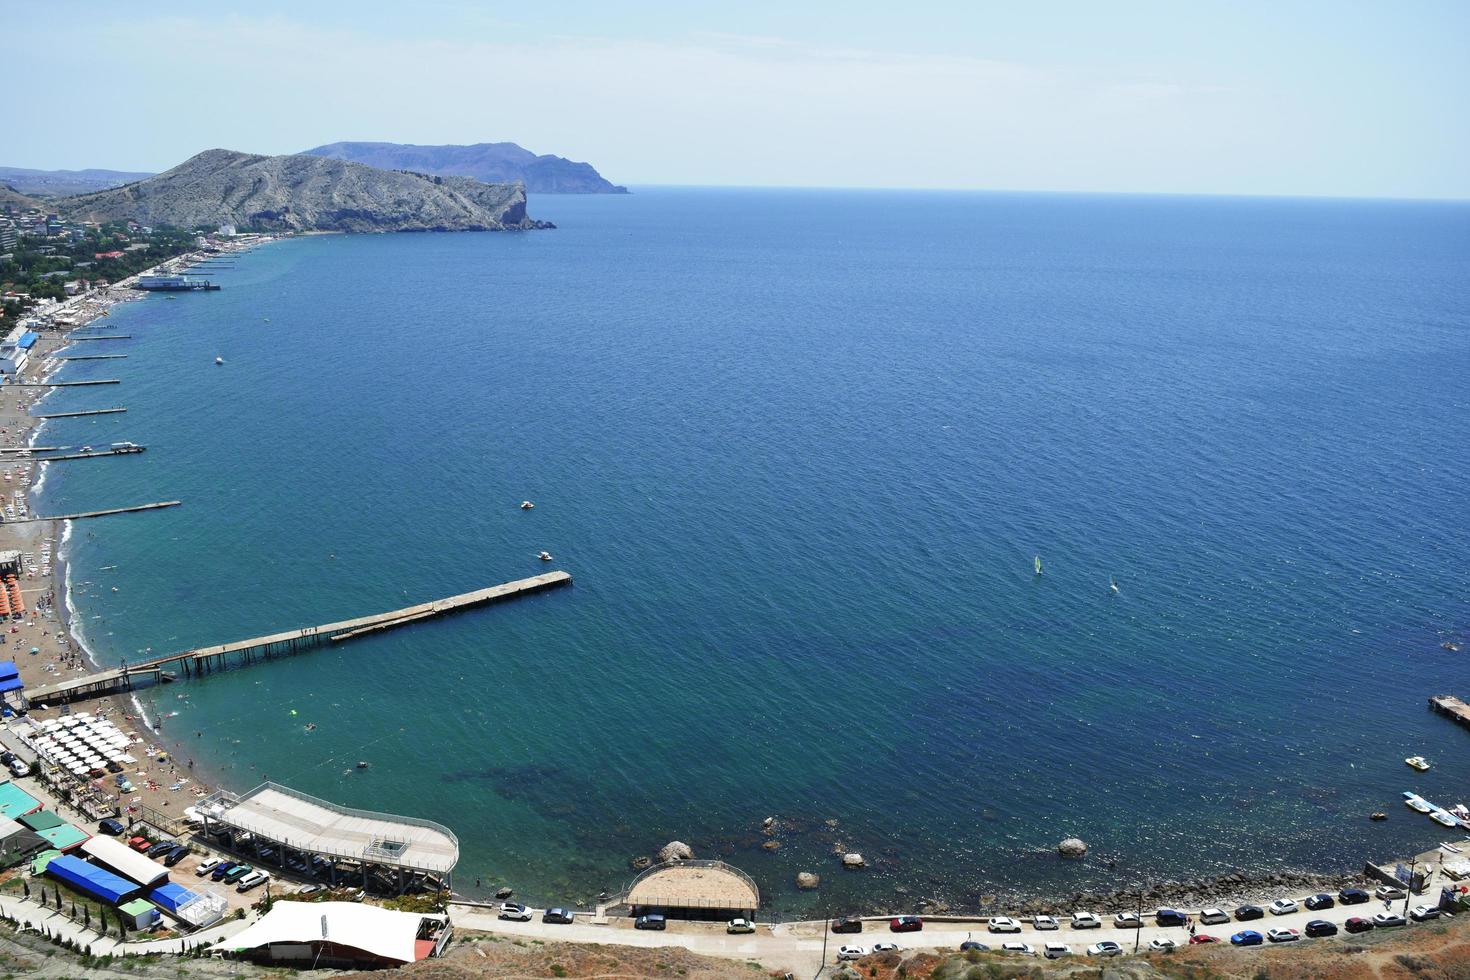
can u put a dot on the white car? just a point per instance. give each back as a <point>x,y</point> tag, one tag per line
<point>18,768</point>
<point>1283,935</point>
<point>1004,923</point>
<point>1159,945</point>
<point>1213,917</point>
<point>515,912</point>
<point>1055,951</point>
<point>1282,906</point>
<point>886,947</point>
<point>1105,948</point>
<point>1423,913</point>
<point>851,953</point>
<point>739,926</point>
<point>206,866</point>
<point>1045,923</point>
<point>1086,920</point>
<point>1024,949</point>
<point>1127,920</point>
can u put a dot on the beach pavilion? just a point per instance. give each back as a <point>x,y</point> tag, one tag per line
<point>339,934</point>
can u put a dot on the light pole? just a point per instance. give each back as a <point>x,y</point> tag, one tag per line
<point>1409,889</point>
<point>1138,932</point>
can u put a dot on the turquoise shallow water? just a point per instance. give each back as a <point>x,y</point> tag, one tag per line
<point>799,450</point>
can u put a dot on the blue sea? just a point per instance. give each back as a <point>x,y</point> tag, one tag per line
<point>799,450</point>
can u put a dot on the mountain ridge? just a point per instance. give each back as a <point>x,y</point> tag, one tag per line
<point>489,162</point>
<point>300,192</point>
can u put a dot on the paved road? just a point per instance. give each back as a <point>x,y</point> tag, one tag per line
<point>798,946</point>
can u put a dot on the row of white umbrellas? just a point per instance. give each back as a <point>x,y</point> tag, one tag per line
<point>82,744</point>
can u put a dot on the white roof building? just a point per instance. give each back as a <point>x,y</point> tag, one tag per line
<point>123,860</point>
<point>339,931</point>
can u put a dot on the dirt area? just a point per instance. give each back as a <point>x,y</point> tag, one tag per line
<point>493,956</point>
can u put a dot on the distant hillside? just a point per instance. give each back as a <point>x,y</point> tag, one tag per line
<point>297,193</point>
<point>490,162</point>
<point>60,183</point>
<point>13,200</point>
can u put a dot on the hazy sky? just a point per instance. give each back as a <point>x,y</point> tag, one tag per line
<point>1270,97</point>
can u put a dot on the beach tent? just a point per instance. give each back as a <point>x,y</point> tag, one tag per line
<point>91,879</point>
<point>15,802</point>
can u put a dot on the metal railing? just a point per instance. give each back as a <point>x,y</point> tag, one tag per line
<point>729,869</point>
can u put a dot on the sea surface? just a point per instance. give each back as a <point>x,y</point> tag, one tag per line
<point>799,450</point>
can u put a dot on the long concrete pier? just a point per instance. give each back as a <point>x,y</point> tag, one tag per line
<point>99,336</point>
<point>95,454</point>
<point>202,660</point>
<point>60,384</point>
<point>73,415</point>
<point>160,505</point>
<point>90,357</point>
<point>1452,707</point>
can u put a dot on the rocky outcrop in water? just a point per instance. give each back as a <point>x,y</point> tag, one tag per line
<point>1072,847</point>
<point>675,850</point>
<point>305,193</point>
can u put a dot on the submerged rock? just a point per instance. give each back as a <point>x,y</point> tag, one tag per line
<point>852,859</point>
<point>807,881</point>
<point>641,861</point>
<point>1072,847</point>
<point>676,850</point>
<point>506,892</point>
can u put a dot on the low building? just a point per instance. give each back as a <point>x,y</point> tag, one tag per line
<point>90,879</point>
<point>17,843</point>
<point>139,914</point>
<point>16,802</point>
<point>55,831</point>
<point>125,862</point>
<point>339,935</point>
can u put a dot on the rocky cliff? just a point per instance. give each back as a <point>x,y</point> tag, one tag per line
<point>490,162</point>
<point>305,193</point>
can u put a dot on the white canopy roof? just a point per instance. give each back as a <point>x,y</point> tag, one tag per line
<point>381,932</point>
<point>125,861</point>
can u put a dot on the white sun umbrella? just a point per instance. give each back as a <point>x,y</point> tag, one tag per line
<point>51,724</point>
<point>77,769</point>
<point>114,757</point>
<point>118,739</point>
<point>124,757</point>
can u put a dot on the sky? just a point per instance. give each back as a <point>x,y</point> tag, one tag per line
<point>1283,97</point>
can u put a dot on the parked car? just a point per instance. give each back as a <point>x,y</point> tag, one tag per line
<point>1045,923</point>
<point>17,768</point>
<point>1055,951</point>
<point>1213,917</point>
<point>1358,924</point>
<point>1387,920</point>
<point>1248,912</point>
<point>1353,896</point>
<point>1319,902</point>
<point>1283,935</point>
<point>559,916</point>
<point>161,850</point>
<point>6,757</point>
<point>253,880</point>
<point>110,827</point>
<point>1161,945</point>
<point>515,912</point>
<point>1170,917</point>
<point>1320,927</point>
<point>1105,948</point>
<point>886,947</point>
<point>1423,913</point>
<point>906,923</point>
<point>1025,949</point>
<point>236,873</point>
<point>1247,937</point>
<point>651,921</point>
<point>222,869</point>
<point>207,865</point>
<point>1086,920</point>
<point>1201,938</point>
<point>1387,893</point>
<point>848,923</point>
<point>312,889</point>
<point>739,926</point>
<point>1283,906</point>
<point>180,852</point>
<point>851,952</point>
<point>970,944</point>
<point>1127,920</point>
<point>140,844</point>
<point>1003,923</point>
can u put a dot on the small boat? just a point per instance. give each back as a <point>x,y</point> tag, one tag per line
<point>1112,583</point>
<point>1038,564</point>
<point>545,556</point>
<point>527,505</point>
<point>1378,816</point>
<point>1416,802</point>
<point>1461,811</point>
<point>1417,762</point>
<point>219,360</point>
<point>1444,817</point>
<point>362,765</point>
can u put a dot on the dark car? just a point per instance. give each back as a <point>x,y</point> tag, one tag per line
<point>1247,937</point>
<point>1353,896</point>
<point>559,916</point>
<point>970,944</point>
<point>112,828</point>
<point>1170,917</point>
<point>1319,902</point>
<point>1248,912</point>
<point>239,871</point>
<point>1358,924</point>
<point>848,923</point>
<point>1320,927</point>
<point>906,923</point>
<point>162,850</point>
<point>218,874</point>
<point>653,921</point>
<point>180,852</point>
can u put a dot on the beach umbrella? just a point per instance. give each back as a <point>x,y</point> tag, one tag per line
<point>35,649</point>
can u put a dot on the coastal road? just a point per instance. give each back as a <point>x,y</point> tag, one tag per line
<point>798,946</point>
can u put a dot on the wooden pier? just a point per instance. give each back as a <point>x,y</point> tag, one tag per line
<point>90,357</point>
<point>94,454</point>
<point>99,336</point>
<point>73,415</point>
<point>1451,707</point>
<point>160,505</point>
<point>60,384</point>
<point>203,660</point>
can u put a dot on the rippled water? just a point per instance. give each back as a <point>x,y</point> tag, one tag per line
<point>799,450</point>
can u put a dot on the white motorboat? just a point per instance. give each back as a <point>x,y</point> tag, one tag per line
<point>1444,817</point>
<point>1416,802</point>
